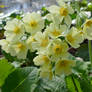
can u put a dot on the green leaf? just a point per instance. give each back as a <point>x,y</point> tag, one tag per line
<point>77,83</point>
<point>73,16</point>
<point>57,84</point>
<point>30,57</point>
<point>9,57</point>
<point>5,70</point>
<point>21,80</point>
<point>83,48</point>
<point>81,66</point>
<point>70,84</point>
<point>47,22</point>
<point>78,21</point>
<point>16,15</point>
<point>44,11</point>
<point>86,85</point>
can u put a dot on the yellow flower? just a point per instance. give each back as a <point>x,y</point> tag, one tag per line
<point>41,60</point>
<point>46,72</point>
<point>88,23</point>
<point>29,42</point>
<point>64,67</point>
<point>33,22</point>
<point>57,49</point>
<point>74,37</point>
<point>19,49</point>
<point>63,11</point>
<point>54,18</point>
<point>14,30</point>
<point>87,28</point>
<point>42,41</point>
<point>55,31</point>
<point>5,45</point>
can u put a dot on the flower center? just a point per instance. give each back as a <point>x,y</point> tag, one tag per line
<point>63,11</point>
<point>33,23</point>
<point>57,49</point>
<point>70,38</point>
<point>44,42</point>
<point>81,33</point>
<point>88,23</point>
<point>20,46</point>
<point>33,39</point>
<point>63,63</point>
<point>17,30</point>
<point>56,33</point>
<point>46,59</point>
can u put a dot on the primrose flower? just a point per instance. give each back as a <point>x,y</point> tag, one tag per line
<point>33,22</point>
<point>88,23</point>
<point>46,72</point>
<point>53,18</point>
<point>29,41</point>
<point>41,60</point>
<point>19,49</point>
<point>87,28</point>
<point>64,67</point>
<point>57,49</point>
<point>63,10</point>
<point>5,45</point>
<point>42,41</point>
<point>74,37</point>
<point>55,31</point>
<point>14,30</point>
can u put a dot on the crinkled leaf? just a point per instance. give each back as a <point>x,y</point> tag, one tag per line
<point>57,84</point>
<point>81,66</point>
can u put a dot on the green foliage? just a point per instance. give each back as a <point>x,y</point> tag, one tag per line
<point>79,81</point>
<point>44,11</point>
<point>73,16</point>
<point>9,57</point>
<point>57,84</point>
<point>74,84</point>
<point>86,85</point>
<point>27,80</point>
<point>81,66</point>
<point>5,70</point>
<point>77,84</point>
<point>82,52</point>
<point>16,15</point>
<point>47,22</point>
<point>70,84</point>
<point>30,57</point>
<point>21,80</point>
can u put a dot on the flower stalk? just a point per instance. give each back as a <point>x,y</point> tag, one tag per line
<point>90,51</point>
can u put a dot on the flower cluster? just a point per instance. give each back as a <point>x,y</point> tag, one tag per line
<point>30,33</point>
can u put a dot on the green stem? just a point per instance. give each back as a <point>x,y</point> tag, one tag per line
<point>90,51</point>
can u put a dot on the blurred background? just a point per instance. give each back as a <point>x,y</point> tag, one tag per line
<point>7,6</point>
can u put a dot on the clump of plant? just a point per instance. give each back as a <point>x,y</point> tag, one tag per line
<point>38,45</point>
